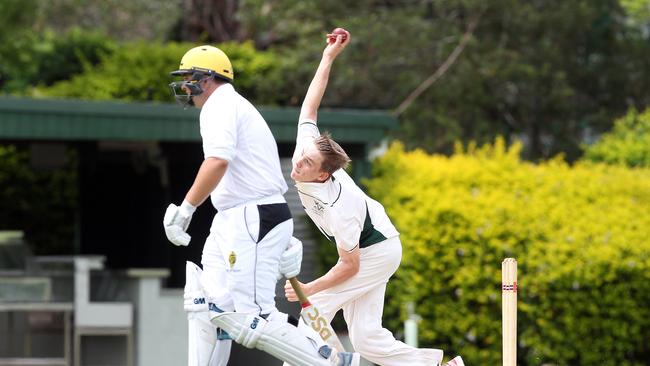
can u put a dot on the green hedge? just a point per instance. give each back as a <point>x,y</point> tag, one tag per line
<point>43,59</point>
<point>580,235</point>
<point>40,201</point>
<point>140,71</point>
<point>627,144</point>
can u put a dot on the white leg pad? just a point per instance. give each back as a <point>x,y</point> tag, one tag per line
<point>204,349</point>
<point>337,358</point>
<point>277,338</point>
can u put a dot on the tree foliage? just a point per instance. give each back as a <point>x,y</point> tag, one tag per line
<point>216,20</point>
<point>31,58</point>
<point>42,42</point>
<point>542,72</point>
<point>627,144</point>
<point>546,73</point>
<point>583,276</point>
<point>638,11</point>
<point>121,20</point>
<point>48,58</point>
<point>140,71</point>
<point>42,203</point>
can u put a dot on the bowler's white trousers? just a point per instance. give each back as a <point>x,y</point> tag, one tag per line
<point>239,270</point>
<point>362,299</point>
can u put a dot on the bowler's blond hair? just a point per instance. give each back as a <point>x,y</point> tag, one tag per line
<point>334,157</point>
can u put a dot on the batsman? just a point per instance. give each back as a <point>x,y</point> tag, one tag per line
<point>232,298</point>
<point>368,244</point>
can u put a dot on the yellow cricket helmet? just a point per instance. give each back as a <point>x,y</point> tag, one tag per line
<point>208,60</point>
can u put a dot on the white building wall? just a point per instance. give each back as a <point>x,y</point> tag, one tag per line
<point>161,323</point>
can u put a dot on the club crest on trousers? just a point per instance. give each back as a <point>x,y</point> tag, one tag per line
<point>232,259</point>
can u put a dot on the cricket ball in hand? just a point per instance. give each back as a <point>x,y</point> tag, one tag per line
<point>336,32</point>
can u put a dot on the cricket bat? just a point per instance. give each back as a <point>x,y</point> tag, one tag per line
<point>311,315</point>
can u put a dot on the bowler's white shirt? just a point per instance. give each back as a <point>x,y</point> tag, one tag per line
<point>233,130</point>
<point>338,207</point>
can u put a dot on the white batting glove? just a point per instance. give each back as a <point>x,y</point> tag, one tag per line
<point>291,259</point>
<point>176,221</point>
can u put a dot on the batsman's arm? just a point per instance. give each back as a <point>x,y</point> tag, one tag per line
<point>177,218</point>
<point>317,87</point>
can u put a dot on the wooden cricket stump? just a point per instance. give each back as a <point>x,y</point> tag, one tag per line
<point>509,310</point>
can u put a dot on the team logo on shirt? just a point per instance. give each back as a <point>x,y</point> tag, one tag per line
<point>232,258</point>
<point>318,208</point>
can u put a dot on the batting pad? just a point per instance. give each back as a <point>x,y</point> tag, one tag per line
<point>277,338</point>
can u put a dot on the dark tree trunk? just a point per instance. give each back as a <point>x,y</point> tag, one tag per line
<point>215,18</point>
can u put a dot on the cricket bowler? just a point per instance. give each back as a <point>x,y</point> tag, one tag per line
<point>368,244</point>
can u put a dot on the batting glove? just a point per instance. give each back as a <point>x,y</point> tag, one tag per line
<point>291,259</point>
<point>176,221</point>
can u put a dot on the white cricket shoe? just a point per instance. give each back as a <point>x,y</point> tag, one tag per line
<point>456,361</point>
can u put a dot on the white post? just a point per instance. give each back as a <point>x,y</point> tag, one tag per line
<point>411,325</point>
<point>509,310</point>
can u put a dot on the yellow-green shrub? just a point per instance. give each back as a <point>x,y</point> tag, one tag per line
<point>580,235</point>
<point>628,143</point>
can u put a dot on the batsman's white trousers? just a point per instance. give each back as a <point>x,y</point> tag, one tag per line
<point>240,269</point>
<point>362,299</point>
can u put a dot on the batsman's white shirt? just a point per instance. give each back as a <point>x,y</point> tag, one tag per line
<point>253,225</point>
<point>233,130</point>
<point>347,216</point>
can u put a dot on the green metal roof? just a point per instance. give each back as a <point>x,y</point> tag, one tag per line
<point>59,119</point>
